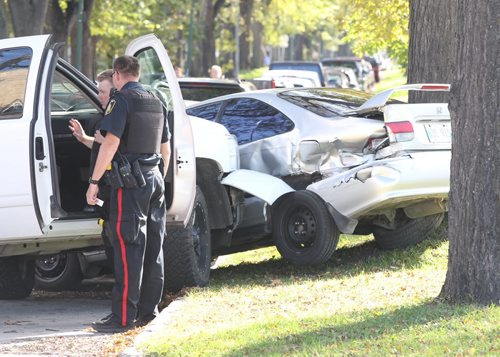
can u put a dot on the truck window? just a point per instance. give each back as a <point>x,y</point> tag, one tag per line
<point>14,67</point>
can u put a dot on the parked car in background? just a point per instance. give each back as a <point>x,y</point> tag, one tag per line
<point>362,68</point>
<point>343,163</point>
<point>300,65</point>
<point>199,89</point>
<point>337,78</point>
<point>291,78</point>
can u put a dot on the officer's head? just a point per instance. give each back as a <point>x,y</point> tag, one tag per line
<point>104,85</point>
<point>125,69</point>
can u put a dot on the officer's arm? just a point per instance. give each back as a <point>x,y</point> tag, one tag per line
<point>165,153</point>
<point>106,152</point>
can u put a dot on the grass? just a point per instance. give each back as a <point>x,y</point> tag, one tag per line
<point>390,79</point>
<point>364,301</point>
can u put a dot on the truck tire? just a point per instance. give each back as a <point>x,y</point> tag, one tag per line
<point>58,272</point>
<point>304,230</point>
<point>17,276</point>
<point>407,231</point>
<point>187,251</point>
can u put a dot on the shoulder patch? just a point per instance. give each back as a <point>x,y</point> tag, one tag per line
<point>110,106</point>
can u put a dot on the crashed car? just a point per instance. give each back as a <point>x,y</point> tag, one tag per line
<point>342,162</point>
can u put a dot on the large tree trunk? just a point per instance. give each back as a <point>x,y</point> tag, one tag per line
<point>430,58</point>
<point>209,10</point>
<point>474,231</point>
<point>28,16</point>
<point>60,22</point>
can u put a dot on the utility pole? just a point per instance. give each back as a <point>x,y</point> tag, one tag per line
<point>79,36</point>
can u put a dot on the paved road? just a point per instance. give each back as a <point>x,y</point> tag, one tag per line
<point>54,314</point>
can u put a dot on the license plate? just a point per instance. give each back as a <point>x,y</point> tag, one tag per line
<point>438,132</point>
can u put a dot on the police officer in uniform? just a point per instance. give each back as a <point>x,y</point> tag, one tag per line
<point>136,131</point>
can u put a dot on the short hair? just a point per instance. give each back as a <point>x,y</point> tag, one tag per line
<point>127,65</point>
<point>106,75</point>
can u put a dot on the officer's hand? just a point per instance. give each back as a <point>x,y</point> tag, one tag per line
<point>92,192</point>
<point>76,128</point>
<point>98,137</point>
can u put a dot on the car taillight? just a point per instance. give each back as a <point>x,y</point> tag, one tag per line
<point>273,83</point>
<point>400,131</point>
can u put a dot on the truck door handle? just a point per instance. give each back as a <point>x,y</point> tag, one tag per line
<point>39,152</point>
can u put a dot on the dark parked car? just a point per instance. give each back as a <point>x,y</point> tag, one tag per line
<point>199,89</point>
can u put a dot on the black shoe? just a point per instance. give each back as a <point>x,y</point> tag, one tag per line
<point>144,320</point>
<point>111,324</point>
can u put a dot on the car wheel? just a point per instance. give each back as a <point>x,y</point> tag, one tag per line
<point>187,251</point>
<point>58,272</point>
<point>406,231</point>
<point>16,278</point>
<point>304,230</point>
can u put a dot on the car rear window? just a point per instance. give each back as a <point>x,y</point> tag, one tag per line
<point>326,102</point>
<point>14,66</point>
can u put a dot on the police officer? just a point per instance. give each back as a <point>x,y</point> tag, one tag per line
<point>136,130</point>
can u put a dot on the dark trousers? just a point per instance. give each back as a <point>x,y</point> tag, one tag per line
<point>137,219</point>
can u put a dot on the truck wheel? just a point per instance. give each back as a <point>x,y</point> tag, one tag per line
<point>58,272</point>
<point>16,278</point>
<point>187,251</point>
<point>406,231</point>
<point>303,229</point>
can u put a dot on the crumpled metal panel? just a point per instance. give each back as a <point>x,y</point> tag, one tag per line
<point>312,146</point>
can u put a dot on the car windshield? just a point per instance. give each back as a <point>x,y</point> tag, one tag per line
<point>326,101</point>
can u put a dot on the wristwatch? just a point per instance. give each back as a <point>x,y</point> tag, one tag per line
<point>92,181</point>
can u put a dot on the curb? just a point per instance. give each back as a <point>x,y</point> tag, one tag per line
<point>153,327</point>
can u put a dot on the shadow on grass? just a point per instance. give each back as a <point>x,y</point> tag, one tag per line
<point>347,261</point>
<point>335,331</point>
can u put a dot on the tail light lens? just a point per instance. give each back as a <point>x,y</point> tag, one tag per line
<point>400,131</point>
<point>273,83</point>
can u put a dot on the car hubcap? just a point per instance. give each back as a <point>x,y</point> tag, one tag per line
<point>302,227</point>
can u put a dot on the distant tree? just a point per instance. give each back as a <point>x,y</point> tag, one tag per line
<point>373,25</point>
<point>4,20</point>
<point>457,42</point>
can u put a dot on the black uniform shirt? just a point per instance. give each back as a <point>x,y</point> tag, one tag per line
<point>115,118</point>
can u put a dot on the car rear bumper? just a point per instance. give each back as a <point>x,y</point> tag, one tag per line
<point>418,182</point>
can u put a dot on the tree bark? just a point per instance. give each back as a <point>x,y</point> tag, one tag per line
<point>28,16</point>
<point>474,232</point>
<point>209,11</point>
<point>429,51</point>
<point>4,30</point>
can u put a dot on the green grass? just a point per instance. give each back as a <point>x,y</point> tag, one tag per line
<point>253,73</point>
<point>364,301</point>
<point>390,79</point>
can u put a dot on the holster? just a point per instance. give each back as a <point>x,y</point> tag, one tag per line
<point>129,180</point>
<point>113,176</point>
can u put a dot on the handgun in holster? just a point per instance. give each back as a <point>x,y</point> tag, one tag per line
<point>113,176</point>
<point>138,173</point>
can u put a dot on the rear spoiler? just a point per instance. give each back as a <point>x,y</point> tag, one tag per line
<point>379,100</point>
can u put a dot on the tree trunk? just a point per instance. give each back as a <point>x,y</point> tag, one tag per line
<point>28,16</point>
<point>4,29</point>
<point>429,52</point>
<point>258,50</point>
<point>209,11</point>
<point>474,231</point>
<point>246,7</point>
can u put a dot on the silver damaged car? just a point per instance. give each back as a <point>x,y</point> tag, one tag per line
<point>333,161</point>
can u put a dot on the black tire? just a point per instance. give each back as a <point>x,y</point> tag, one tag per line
<point>187,251</point>
<point>17,276</point>
<point>304,230</point>
<point>58,272</point>
<point>406,231</point>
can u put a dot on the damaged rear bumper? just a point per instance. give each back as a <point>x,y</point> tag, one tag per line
<point>417,182</point>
